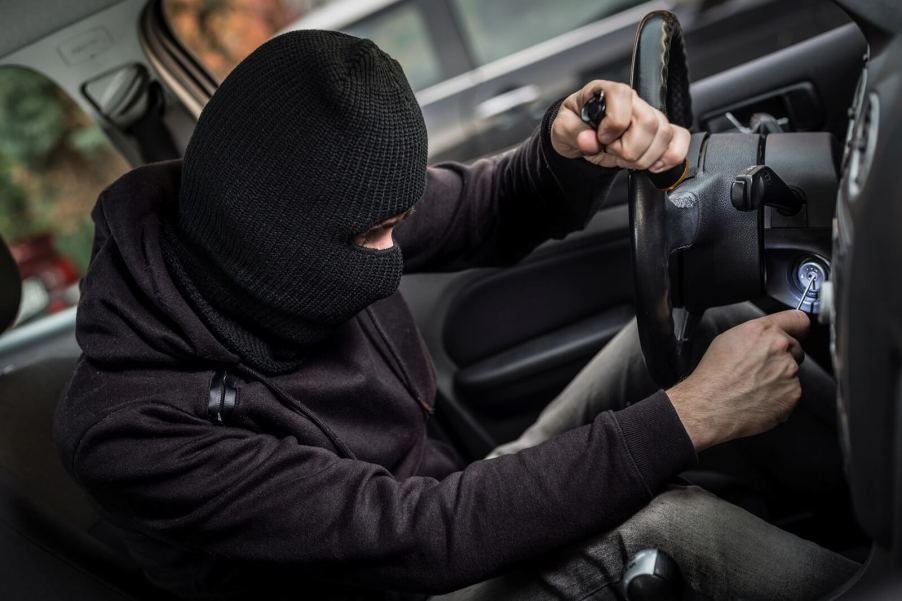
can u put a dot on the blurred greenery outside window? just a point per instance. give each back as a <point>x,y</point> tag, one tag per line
<point>496,28</point>
<point>54,161</point>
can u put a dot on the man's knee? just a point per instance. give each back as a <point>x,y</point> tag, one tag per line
<point>674,516</point>
<point>689,523</point>
<point>676,521</point>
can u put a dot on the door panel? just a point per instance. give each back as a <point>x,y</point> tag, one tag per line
<point>510,380</point>
<point>538,296</point>
<point>519,335</point>
<point>505,342</point>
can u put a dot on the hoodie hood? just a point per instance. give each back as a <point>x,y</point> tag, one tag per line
<point>131,310</point>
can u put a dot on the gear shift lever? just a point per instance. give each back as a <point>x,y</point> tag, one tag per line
<point>652,575</point>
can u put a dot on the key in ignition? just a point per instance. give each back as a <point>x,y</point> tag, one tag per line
<point>812,281</point>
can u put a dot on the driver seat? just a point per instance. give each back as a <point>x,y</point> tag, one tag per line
<point>52,541</point>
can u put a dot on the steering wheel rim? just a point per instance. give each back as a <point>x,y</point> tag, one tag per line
<point>659,75</point>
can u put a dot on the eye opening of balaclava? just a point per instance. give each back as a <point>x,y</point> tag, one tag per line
<point>313,139</point>
<point>362,239</point>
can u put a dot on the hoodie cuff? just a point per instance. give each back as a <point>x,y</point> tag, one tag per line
<point>657,442</point>
<point>583,186</point>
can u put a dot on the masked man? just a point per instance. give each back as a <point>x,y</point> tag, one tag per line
<point>251,405</point>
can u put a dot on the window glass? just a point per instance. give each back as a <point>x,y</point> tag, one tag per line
<point>497,28</point>
<point>220,33</point>
<point>53,163</point>
<point>402,33</point>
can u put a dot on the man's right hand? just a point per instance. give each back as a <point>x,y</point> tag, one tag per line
<point>746,383</point>
<point>632,135</point>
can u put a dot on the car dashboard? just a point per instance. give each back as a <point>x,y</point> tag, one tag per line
<point>866,328</point>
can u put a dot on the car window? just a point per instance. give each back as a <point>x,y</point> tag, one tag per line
<point>401,32</point>
<point>498,28</point>
<point>53,163</point>
<point>220,33</point>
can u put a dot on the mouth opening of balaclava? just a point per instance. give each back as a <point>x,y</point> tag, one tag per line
<point>310,141</point>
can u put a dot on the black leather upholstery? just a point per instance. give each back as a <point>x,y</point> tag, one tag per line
<point>10,287</point>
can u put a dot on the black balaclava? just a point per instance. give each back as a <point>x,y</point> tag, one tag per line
<point>310,141</point>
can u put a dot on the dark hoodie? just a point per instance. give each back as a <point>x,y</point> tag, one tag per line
<point>322,482</point>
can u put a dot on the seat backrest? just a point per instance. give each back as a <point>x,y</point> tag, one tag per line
<point>10,287</point>
<point>52,541</point>
<point>48,528</point>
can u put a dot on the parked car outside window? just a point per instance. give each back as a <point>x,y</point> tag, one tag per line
<point>54,160</point>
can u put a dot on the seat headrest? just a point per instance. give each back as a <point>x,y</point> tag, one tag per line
<point>10,287</point>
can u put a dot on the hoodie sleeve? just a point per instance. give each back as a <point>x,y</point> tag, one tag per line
<point>494,211</point>
<point>254,497</point>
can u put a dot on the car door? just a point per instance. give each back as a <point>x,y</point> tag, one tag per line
<point>526,55</point>
<point>505,342</point>
<point>529,54</point>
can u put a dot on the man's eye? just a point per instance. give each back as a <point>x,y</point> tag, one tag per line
<point>375,231</point>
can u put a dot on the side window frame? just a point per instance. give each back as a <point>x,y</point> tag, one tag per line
<point>452,56</point>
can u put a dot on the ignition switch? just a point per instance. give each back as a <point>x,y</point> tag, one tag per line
<point>810,276</point>
<point>810,268</point>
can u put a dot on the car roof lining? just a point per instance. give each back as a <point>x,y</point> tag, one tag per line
<point>27,21</point>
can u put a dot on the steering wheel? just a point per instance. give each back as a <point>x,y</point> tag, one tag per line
<point>660,77</point>
<point>733,230</point>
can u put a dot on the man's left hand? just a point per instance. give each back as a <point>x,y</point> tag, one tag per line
<point>632,135</point>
